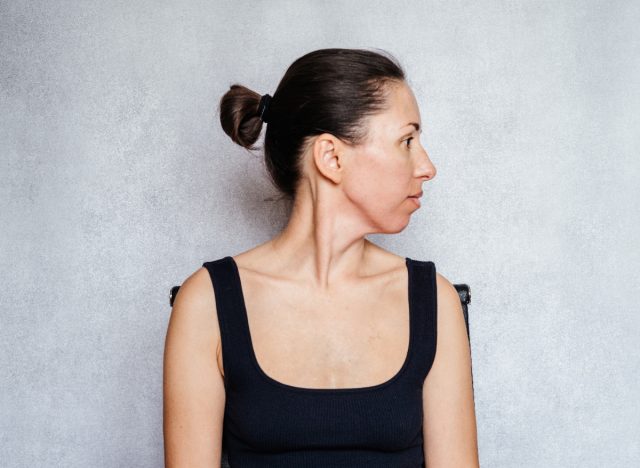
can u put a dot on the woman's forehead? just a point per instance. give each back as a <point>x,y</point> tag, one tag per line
<point>401,116</point>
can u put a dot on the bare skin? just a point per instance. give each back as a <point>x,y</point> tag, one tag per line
<point>309,290</point>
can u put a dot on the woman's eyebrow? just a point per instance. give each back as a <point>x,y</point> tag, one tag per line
<point>415,124</point>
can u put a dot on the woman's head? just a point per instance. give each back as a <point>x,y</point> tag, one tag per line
<point>353,96</point>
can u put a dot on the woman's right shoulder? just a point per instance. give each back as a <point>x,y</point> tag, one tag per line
<point>196,293</point>
<point>194,315</point>
<point>198,284</point>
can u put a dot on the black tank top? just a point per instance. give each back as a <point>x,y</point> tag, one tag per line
<point>271,424</point>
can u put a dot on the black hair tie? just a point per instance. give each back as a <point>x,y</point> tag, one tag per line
<point>263,108</point>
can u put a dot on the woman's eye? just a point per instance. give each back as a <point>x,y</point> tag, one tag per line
<point>408,140</point>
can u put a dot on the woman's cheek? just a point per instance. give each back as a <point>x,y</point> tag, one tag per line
<point>375,182</point>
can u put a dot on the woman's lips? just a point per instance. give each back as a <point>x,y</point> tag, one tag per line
<point>416,200</point>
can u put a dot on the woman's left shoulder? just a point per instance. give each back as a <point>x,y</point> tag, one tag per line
<point>447,293</point>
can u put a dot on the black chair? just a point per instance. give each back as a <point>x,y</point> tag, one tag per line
<point>465,298</point>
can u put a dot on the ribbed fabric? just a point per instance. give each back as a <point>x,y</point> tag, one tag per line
<point>270,424</point>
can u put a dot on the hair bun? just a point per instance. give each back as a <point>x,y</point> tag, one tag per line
<point>238,115</point>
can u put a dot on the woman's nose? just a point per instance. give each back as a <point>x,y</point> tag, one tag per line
<point>427,168</point>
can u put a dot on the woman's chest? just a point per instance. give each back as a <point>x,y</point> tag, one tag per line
<point>357,338</point>
<point>268,418</point>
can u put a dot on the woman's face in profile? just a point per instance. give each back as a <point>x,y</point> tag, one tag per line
<point>390,165</point>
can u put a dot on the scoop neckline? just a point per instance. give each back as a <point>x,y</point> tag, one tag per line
<point>267,378</point>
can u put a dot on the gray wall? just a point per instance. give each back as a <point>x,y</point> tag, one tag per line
<point>117,182</point>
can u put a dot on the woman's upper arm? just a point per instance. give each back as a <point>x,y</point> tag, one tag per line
<point>193,388</point>
<point>450,436</point>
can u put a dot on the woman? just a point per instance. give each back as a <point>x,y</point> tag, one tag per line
<point>319,348</point>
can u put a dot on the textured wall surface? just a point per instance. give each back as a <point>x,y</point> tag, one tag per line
<point>117,182</point>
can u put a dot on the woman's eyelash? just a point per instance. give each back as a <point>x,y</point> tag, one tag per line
<point>408,140</point>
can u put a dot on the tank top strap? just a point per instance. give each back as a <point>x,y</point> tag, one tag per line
<point>423,297</point>
<point>229,308</point>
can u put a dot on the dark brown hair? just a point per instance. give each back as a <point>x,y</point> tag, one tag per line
<point>327,90</point>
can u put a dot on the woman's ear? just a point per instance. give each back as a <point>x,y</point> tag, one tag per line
<point>328,156</point>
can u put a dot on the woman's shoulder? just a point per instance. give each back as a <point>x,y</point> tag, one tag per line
<point>193,319</point>
<point>447,293</point>
<point>196,291</point>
